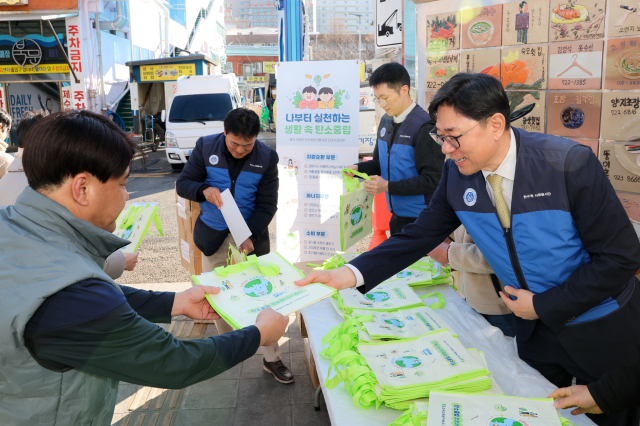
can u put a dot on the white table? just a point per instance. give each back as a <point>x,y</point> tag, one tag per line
<point>513,375</point>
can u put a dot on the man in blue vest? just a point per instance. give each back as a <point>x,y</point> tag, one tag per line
<point>237,161</point>
<point>407,163</point>
<point>549,223</point>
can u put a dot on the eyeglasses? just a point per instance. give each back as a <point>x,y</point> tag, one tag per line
<point>381,102</point>
<point>451,140</point>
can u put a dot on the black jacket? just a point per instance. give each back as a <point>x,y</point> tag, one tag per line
<point>191,185</point>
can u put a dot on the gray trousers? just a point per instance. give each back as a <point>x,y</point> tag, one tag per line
<point>271,353</point>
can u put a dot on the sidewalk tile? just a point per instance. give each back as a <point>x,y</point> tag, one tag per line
<point>140,418</point>
<point>296,344</point>
<point>211,394</point>
<point>299,364</point>
<point>263,416</point>
<point>303,390</point>
<point>306,415</point>
<point>210,330</point>
<point>231,374</point>
<point>219,417</point>
<point>264,392</point>
<point>126,393</point>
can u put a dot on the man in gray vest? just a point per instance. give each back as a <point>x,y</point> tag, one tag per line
<point>407,163</point>
<point>71,333</point>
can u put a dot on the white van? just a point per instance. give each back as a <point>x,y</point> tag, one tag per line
<point>197,109</point>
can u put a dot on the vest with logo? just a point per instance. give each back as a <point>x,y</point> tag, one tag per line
<point>50,250</point>
<point>400,163</point>
<point>543,246</point>
<point>243,189</point>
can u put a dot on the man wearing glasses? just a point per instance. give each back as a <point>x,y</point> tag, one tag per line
<point>550,225</point>
<point>406,164</point>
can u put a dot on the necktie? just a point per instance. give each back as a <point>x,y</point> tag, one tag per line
<point>501,206</point>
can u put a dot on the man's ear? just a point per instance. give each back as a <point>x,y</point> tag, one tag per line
<point>79,189</point>
<point>496,125</point>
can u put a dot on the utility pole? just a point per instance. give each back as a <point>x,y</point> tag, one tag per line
<point>359,35</point>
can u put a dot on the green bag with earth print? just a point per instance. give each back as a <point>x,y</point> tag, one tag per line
<point>355,210</point>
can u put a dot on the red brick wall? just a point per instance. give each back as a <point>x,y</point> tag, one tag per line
<point>238,61</point>
<point>43,5</point>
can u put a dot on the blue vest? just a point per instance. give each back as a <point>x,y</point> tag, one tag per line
<point>400,163</point>
<point>543,246</point>
<point>244,188</point>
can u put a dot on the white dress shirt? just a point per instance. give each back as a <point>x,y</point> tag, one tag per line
<point>506,169</point>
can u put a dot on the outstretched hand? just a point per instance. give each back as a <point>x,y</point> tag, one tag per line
<point>575,396</point>
<point>193,304</point>
<point>339,278</point>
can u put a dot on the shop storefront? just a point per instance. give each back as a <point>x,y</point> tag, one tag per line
<point>153,82</point>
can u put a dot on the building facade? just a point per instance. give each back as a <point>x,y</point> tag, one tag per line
<point>329,14</point>
<point>257,13</point>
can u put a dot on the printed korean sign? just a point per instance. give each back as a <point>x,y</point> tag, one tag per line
<point>166,72</point>
<point>621,113</point>
<point>622,69</point>
<point>576,65</point>
<point>574,114</point>
<point>318,136</point>
<point>440,68</point>
<point>75,96</point>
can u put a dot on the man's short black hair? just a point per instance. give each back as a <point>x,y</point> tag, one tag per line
<point>28,119</point>
<point>309,89</point>
<point>476,96</point>
<point>393,74</point>
<point>5,119</point>
<point>64,144</point>
<point>242,122</point>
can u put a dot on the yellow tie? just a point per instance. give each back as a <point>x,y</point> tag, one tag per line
<point>501,206</point>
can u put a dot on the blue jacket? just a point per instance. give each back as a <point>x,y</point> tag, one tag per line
<point>403,165</point>
<point>253,181</point>
<point>571,242</point>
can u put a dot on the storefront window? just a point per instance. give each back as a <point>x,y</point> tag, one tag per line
<point>21,29</point>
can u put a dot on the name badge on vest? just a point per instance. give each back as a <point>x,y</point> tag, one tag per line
<point>213,160</point>
<point>470,197</point>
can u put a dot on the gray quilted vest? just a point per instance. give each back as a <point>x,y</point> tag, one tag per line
<point>43,249</point>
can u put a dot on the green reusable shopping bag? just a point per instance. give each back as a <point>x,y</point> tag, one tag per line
<point>415,415</point>
<point>258,283</point>
<point>424,272</point>
<point>133,224</point>
<point>388,296</point>
<point>355,210</point>
<point>482,410</point>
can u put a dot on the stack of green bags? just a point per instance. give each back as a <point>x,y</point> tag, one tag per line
<point>372,326</point>
<point>394,372</point>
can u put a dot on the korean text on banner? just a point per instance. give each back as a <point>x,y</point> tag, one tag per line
<point>317,136</point>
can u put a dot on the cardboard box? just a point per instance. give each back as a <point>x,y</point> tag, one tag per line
<point>187,213</point>
<point>303,327</point>
<point>311,364</point>
<point>620,166</point>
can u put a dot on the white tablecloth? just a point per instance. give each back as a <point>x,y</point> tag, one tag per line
<point>513,375</point>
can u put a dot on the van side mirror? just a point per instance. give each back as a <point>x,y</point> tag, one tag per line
<point>163,115</point>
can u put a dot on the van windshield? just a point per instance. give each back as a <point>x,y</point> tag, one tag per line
<point>205,107</point>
